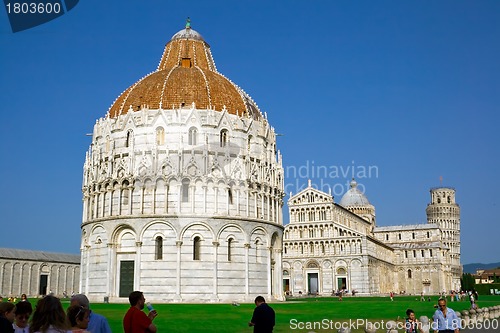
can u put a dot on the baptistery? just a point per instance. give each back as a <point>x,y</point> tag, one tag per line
<point>183,188</point>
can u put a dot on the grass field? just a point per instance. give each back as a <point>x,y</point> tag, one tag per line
<point>290,316</point>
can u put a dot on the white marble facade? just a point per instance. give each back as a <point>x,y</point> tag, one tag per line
<point>36,273</point>
<point>183,196</point>
<point>329,247</point>
<point>183,202</point>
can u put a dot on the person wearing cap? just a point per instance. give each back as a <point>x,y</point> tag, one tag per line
<point>97,323</point>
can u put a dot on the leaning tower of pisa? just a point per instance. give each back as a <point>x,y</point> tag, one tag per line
<point>445,212</point>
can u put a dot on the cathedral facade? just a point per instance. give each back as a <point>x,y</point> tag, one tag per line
<point>183,188</point>
<point>329,247</point>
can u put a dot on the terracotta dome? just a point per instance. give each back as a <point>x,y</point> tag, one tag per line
<point>186,75</point>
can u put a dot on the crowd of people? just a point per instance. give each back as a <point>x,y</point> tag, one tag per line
<point>48,316</point>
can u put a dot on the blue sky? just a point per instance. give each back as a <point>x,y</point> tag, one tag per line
<point>408,88</point>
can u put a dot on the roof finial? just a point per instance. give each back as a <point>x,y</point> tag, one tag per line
<point>188,23</point>
<point>441,180</point>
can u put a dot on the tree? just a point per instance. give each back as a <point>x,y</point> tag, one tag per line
<point>467,282</point>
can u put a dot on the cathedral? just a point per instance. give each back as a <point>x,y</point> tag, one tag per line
<point>331,247</point>
<point>183,188</point>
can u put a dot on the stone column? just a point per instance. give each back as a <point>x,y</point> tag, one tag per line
<point>153,200</point>
<point>111,273</point>
<point>248,202</point>
<point>102,197</point>
<point>247,269</point>
<point>205,199</point>
<point>215,292</point>
<point>29,281</point>
<point>130,199</point>
<point>268,208</point>
<point>86,254</point>
<point>269,270</point>
<point>110,207</point>
<point>278,284</point>
<point>137,268</point>
<point>84,210</point>
<point>141,201</point>
<point>255,205</point>
<point>178,275</point>
<point>166,197</point>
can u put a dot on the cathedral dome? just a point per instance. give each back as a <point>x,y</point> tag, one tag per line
<point>354,197</point>
<point>186,76</point>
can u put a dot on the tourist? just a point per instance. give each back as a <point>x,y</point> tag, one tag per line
<point>23,313</point>
<point>7,315</point>
<point>24,298</point>
<point>412,325</point>
<point>391,295</point>
<point>445,319</point>
<point>97,323</point>
<point>49,317</point>
<point>78,317</point>
<point>263,319</point>
<point>135,320</point>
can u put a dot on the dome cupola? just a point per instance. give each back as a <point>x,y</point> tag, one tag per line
<point>354,197</point>
<point>186,76</point>
<point>356,202</point>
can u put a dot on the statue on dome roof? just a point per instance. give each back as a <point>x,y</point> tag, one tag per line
<point>188,23</point>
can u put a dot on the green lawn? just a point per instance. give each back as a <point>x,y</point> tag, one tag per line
<point>290,315</point>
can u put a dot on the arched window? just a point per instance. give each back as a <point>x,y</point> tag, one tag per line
<point>158,248</point>
<point>196,248</point>
<point>224,138</point>
<point>399,236</point>
<point>413,235</point>
<point>160,136</point>
<point>128,139</point>
<point>185,190</point>
<point>125,196</point>
<point>229,248</point>
<point>430,252</point>
<point>230,196</point>
<point>193,134</point>
<point>409,274</point>
<point>249,142</point>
